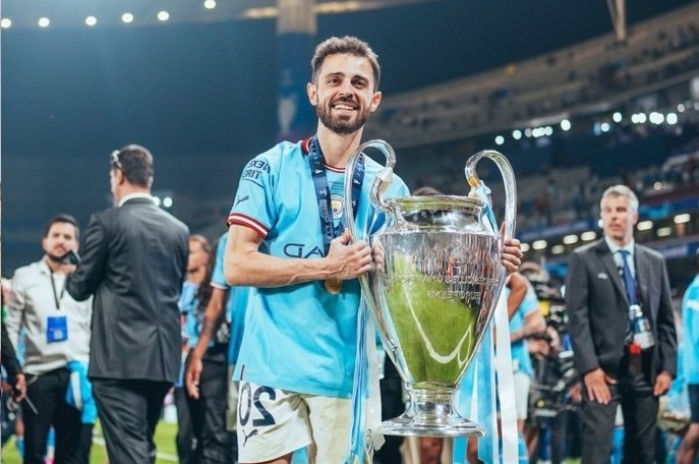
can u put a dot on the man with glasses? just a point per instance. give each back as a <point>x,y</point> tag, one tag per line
<point>134,262</point>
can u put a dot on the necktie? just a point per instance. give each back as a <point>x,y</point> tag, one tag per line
<point>629,281</point>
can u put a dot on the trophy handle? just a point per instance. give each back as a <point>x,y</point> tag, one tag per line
<point>378,188</point>
<point>508,177</point>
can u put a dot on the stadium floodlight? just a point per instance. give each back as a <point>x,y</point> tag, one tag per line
<point>558,249</point>
<point>209,4</point>
<point>570,239</point>
<point>565,125</point>
<point>656,118</point>
<point>156,200</point>
<point>617,117</point>
<point>539,244</point>
<point>44,22</point>
<point>167,202</point>
<point>681,218</point>
<point>645,225</point>
<point>664,231</point>
<point>499,140</point>
<point>5,23</point>
<point>671,118</point>
<point>681,108</point>
<point>587,236</point>
<point>516,134</point>
<point>127,18</point>
<point>525,247</point>
<point>90,21</point>
<point>163,15</point>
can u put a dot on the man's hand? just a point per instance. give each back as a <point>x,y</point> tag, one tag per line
<point>597,385</point>
<point>511,252</point>
<point>192,375</point>
<point>19,390</point>
<point>662,383</point>
<point>348,261</point>
<point>575,393</point>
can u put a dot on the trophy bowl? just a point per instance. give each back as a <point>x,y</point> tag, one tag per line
<point>433,289</point>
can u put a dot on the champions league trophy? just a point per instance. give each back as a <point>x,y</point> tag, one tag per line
<point>433,289</point>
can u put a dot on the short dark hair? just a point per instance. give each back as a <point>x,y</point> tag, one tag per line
<point>136,162</point>
<point>345,45</point>
<point>64,219</point>
<point>201,240</point>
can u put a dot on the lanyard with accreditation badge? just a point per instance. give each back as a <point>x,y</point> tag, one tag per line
<point>57,325</point>
<point>322,188</point>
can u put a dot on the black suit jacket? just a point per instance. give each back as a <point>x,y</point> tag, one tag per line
<point>598,308</point>
<point>9,356</point>
<point>134,261</point>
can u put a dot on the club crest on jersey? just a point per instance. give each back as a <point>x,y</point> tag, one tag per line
<point>337,205</point>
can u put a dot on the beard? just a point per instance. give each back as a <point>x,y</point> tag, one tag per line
<point>342,125</point>
<point>55,258</point>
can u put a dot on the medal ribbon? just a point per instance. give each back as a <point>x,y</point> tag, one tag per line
<point>320,181</point>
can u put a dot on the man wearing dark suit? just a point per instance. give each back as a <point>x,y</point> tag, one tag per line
<point>134,261</point>
<point>604,280</point>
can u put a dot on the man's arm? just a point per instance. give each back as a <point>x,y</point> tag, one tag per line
<point>9,355</point>
<point>577,288</point>
<point>15,309</point>
<point>576,302</point>
<point>534,323</point>
<point>245,265</point>
<point>667,333</point>
<point>213,315</point>
<point>518,290</point>
<point>89,273</point>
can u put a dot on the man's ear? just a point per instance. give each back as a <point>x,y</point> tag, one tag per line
<point>119,176</point>
<point>312,92</point>
<point>375,101</point>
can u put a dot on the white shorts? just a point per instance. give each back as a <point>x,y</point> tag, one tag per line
<point>273,423</point>
<point>232,401</point>
<point>522,383</point>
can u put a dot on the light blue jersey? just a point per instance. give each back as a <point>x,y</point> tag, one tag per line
<point>189,308</point>
<point>520,352</point>
<point>237,301</point>
<point>690,325</point>
<point>299,337</point>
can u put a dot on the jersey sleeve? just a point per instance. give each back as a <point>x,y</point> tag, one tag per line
<point>530,303</point>
<point>253,205</point>
<point>218,280</point>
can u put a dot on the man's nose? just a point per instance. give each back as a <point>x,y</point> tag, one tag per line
<point>346,88</point>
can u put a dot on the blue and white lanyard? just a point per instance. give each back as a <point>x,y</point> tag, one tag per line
<point>322,188</point>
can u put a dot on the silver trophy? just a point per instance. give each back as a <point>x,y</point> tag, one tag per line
<point>433,289</point>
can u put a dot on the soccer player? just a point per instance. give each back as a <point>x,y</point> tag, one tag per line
<point>287,240</point>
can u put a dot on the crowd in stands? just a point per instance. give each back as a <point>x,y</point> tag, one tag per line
<point>604,68</point>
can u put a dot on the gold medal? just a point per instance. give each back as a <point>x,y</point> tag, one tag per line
<point>333,286</point>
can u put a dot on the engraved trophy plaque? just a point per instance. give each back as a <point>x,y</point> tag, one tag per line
<point>434,286</point>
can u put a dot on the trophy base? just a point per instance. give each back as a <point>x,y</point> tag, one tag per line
<point>431,414</point>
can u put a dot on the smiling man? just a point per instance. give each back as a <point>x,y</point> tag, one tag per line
<point>296,362</point>
<point>623,332</point>
<point>287,241</point>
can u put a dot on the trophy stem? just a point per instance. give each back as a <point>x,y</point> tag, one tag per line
<point>431,414</point>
